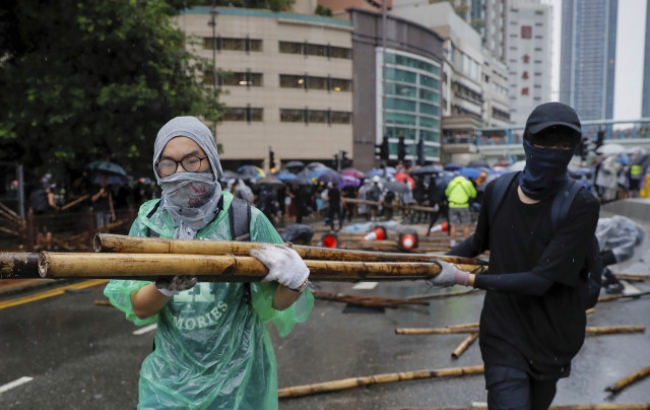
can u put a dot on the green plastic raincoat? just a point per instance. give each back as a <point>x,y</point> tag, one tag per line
<point>212,348</point>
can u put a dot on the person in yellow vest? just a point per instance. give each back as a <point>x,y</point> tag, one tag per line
<point>459,192</point>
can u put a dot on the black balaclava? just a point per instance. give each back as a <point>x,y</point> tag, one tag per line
<point>545,172</point>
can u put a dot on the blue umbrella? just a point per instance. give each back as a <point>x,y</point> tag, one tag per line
<point>428,170</point>
<point>318,172</point>
<point>471,173</point>
<point>286,176</point>
<point>452,167</point>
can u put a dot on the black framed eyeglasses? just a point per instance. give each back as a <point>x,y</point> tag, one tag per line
<point>190,163</point>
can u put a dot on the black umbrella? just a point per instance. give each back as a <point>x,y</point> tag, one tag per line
<point>397,187</point>
<point>428,170</point>
<point>294,164</point>
<point>478,163</point>
<point>106,167</point>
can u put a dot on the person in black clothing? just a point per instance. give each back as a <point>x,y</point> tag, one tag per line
<point>335,208</point>
<point>533,318</point>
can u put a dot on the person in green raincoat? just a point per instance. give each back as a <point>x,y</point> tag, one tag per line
<point>212,349</point>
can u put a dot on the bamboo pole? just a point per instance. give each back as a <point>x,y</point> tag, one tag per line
<point>335,385</point>
<point>10,211</point>
<point>361,201</point>
<point>135,244</point>
<point>600,406</point>
<point>464,326</point>
<point>443,295</point>
<point>464,345</point>
<point>628,380</point>
<point>367,301</point>
<point>451,330</point>
<point>18,265</point>
<point>75,202</point>
<point>609,298</point>
<point>224,268</point>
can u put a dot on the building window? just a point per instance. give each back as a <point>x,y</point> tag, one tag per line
<point>526,32</point>
<point>341,117</point>
<point>291,115</point>
<point>292,81</point>
<point>232,44</point>
<point>317,116</point>
<point>319,50</point>
<point>247,114</point>
<point>339,84</point>
<point>241,79</point>
<point>317,83</point>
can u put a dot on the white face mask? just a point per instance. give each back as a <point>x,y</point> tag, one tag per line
<point>189,189</point>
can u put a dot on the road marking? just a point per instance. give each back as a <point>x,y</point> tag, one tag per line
<point>145,329</point>
<point>365,285</point>
<point>15,383</point>
<point>51,293</point>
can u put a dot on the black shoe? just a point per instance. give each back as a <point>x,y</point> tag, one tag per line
<point>614,288</point>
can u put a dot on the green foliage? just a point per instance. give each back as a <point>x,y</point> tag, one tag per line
<point>323,11</point>
<point>81,81</point>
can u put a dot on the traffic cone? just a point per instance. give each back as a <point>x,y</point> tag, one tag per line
<point>443,227</point>
<point>330,241</point>
<point>408,241</point>
<point>378,234</point>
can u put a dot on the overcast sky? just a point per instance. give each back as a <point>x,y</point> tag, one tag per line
<point>629,51</point>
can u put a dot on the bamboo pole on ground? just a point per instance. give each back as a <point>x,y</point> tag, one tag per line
<point>600,406</point>
<point>635,277</point>
<point>464,345</point>
<point>609,298</point>
<point>10,212</point>
<point>367,301</point>
<point>336,385</point>
<point>134,244</point>
<point>443,295</point>
<point>451,330</point>
<point>224,268</point>
<point>628,380</point>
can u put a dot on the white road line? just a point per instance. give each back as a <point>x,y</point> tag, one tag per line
<point>145,329</point>
<point>365,285</point>
<point>15,383</point>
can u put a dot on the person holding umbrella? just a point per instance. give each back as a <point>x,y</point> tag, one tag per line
<point>102,203</point>
<point>212,349</point>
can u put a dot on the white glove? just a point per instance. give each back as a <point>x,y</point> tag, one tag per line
<point>284,264</point>
<point>171,285</point>
<point>449,275</point>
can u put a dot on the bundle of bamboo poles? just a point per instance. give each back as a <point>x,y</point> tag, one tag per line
<point>473,328</point>
<point>220,261</point>
<point>11,222</point>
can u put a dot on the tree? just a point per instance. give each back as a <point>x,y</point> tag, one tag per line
<point>323,11</point>
<point>273,5</point>
<point>95,80</point>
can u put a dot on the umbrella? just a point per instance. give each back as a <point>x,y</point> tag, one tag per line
<point>471,173</point>
<point>114,179</point>
<point>397,187</point>
<point>478,163</point>
<point>517,166</point>
<point>316,165</point>
<point>229,175</point>
<point>330,177</point>
<point>285,176</point>
<point>269,181</point>
<point>428,170</point>
<point>452,167</point>
<point>318,172</point>
<point>352,172</point>
<point>400,176</point>
<point>106,167</point>
<point>380,172</point>
<point>610,148</point>
<point>294,164</point>
<point>251,171</point>
<point>347,180</point>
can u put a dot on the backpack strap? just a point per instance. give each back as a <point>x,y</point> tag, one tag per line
<point>239,216</point>
<point>563,200</point>
<point>149,232</point>
<point>499,190</point>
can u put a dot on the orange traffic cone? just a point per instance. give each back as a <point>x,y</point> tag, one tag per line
<point>443,227</point>
<point>408,241</point>
<point>378,233</point>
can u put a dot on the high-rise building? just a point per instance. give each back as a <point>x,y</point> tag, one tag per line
<point>588,57</point>
<point>645,94</point>
<point>489,18</point>
<point>529,57</point>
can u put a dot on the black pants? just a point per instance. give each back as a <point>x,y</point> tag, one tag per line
<point>335,209</point>
<point>513,389</point>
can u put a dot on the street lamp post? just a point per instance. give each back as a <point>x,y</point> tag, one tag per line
<point>213,23</point>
